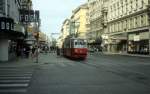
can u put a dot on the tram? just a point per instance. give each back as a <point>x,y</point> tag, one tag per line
<point>75,48</point>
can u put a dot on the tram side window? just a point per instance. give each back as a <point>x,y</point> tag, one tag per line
<point>72,44</point>
<point>76,43</point>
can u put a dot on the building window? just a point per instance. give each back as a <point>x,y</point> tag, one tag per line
<point>125,25</point>
<point>142,3</point>
<point>136,4</point>
<point>26,18</point>
<point>142,20</point>
<point>131,6</point>
<point>8,10</point>
<point>130,23</point>
<point>2,2</point>
<point>135,22</point>
<point>120,26</point>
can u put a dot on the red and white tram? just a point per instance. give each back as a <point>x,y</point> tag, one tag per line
<point>75,48</point>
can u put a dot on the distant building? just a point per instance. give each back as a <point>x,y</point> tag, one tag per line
<point>65,31</point>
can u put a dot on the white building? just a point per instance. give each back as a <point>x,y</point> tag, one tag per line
<point>128,26</point>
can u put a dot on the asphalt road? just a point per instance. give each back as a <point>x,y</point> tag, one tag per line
<point>99,74</point>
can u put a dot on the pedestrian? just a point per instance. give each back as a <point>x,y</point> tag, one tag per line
<point>58,51</point>
<point>37,51</point>
<point>27,51</point>
<point>33,52</point>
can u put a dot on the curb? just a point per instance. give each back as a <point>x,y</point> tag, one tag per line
<point>133,55</point>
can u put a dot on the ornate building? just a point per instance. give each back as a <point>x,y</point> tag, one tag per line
<point>128,26</point>
<point>123,24</point>
<point>98,20</point>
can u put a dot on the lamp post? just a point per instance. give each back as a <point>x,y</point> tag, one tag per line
<point>38,23</point>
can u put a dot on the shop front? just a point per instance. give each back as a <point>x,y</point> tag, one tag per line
<point>138,42</point>
<point>8,38</point>
<point>118,43</point>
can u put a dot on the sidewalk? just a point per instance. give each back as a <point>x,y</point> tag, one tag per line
<point>123,54</point>
<point>42,59</point>
<point>19,62</point>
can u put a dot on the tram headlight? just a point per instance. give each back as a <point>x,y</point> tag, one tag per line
<point>76,50</point>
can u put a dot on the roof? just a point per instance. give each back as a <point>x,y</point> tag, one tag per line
<point>83,6</point>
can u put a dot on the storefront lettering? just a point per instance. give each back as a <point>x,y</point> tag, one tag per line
<point>6,24</point>
<point>2,25</point>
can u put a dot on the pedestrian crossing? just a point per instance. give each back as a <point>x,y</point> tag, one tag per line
<point>14,80</point>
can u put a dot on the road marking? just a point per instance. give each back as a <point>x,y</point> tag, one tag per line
<point>1,78</point>
<point>13,85</point>
<point>6,91</point>
<point>14,72</point>
<point>14,81</point>
<point>13,75</point>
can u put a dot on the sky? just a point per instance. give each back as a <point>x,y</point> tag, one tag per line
<point>54,12</point>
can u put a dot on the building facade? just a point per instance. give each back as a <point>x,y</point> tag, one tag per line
<point>128,26</point>
<point>9,20</point>
<point>80,20</point>
<point>65,31</point>
<point>11,29</point>
<point>122,24</point>
<point>98,21</point>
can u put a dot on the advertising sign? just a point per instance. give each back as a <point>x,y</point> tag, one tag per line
<point>137,38</point>
<point>29,15</point>
<point>6,24</point>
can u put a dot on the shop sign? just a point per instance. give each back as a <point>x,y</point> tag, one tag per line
<point>6,24</point>
<point>137,38</point>
<point>29,15</point>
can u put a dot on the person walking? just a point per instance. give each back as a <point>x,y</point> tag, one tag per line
<point>33,52</point>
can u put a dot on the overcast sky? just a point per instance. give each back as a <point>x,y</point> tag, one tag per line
<point>54,12</point>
